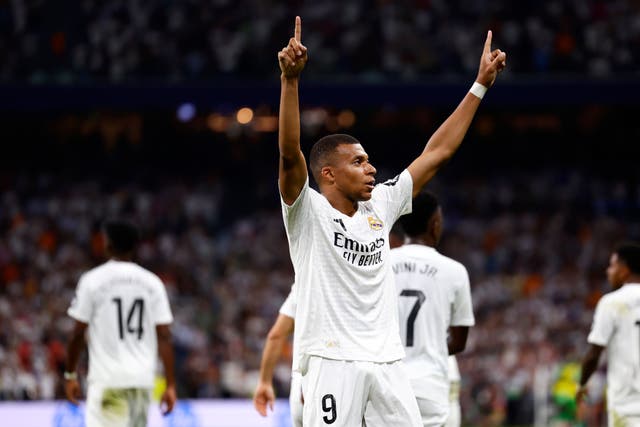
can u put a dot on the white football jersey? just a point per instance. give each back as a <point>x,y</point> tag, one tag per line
<point>453,372</point>
<point>434,293</point>
<point>122,303</point>
<point>288,307</point>
<point>346,302</point>
<point>616,326</point>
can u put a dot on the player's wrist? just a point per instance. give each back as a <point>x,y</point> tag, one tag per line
<point>289,79</point>
<point>70,375</point>
<point>478,89</point>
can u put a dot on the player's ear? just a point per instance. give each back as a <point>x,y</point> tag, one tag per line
<point>433,222</point>
<point>326,173</point>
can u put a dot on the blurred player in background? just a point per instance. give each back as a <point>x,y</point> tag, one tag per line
<point>126,310</point>
<point>616,326</point>
<point>346,324</point>
<point>264,395</point>
<point>435,297</point>
<point>396,239</point>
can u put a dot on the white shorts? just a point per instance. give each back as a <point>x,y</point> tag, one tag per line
<point>346,393</point>
<point>455,415</point>
<point>434,414</point>
<point>295,400</point>
<point>117,407</point>
<point>617,420</point>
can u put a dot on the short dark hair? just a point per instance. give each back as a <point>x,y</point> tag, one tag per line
<point>324,148</point>
<point>425,205</point>
<point>122,235</point>
<point>629,252</point>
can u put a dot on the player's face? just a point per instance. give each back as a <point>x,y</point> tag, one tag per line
<point>617,271</point>
<point>353,174</point>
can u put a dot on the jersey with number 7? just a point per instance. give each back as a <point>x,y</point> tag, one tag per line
<point>433,294</point>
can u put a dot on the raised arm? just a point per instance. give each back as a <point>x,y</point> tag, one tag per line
<point>264,395</point>
<point>293,167</point>
<point>448,137</point>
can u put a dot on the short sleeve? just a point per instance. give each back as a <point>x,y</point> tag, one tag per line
<point>396,195</point>
<point>603,324</point>
<point>462,310</point>
<point>81,307</point>
<point>161,310</point>
<point>289,306</point>
<point>296,214</point>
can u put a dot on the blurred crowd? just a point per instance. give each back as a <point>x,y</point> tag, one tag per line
<point>536,245</point>
<point>88,41</point>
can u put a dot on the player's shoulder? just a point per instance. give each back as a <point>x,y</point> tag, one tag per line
<point>431,255</point>
<point>614,295</point>
<point>612,300</point>
<point>447,263</point>
<point>315,200</point>
<point>94,273</point>
<point>393,183</point>
<point>405,251</point>
<point>149,275</point>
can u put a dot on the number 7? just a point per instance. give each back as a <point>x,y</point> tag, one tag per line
<point>414,311</point>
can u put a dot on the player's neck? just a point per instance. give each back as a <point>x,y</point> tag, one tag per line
<point>424,241</point>
<point>634,278</point>
<point>340,203</point>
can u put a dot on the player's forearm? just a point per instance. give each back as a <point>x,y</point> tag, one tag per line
<point>165,350</point>
<point>589,366</point>
<point>448,137</point>
<point>289,119</point>
<point>270,355</point>
<point>74,349</point>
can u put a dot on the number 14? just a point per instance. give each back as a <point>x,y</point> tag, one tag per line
<point>138,305</point>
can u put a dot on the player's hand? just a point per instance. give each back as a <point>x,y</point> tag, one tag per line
<point>491,63</point>
<point>264,397</point>
<point>72,391</point>
<point>581,394</point>
<point>293,57</point>
<point>168,400</point>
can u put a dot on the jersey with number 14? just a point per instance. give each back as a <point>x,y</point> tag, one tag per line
<point>434,294</point>
<point>345,296</point>
<point>122,303</point>
<point>616,326</point>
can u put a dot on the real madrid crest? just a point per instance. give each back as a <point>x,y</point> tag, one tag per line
<point>375,223</point>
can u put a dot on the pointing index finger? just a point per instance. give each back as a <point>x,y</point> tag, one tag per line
<point>298,31</point>
<point>487,43</point>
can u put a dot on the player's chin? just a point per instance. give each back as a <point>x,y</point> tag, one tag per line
<point>365,195</point>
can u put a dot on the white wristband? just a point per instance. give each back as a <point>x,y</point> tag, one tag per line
<point>478,89</point>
